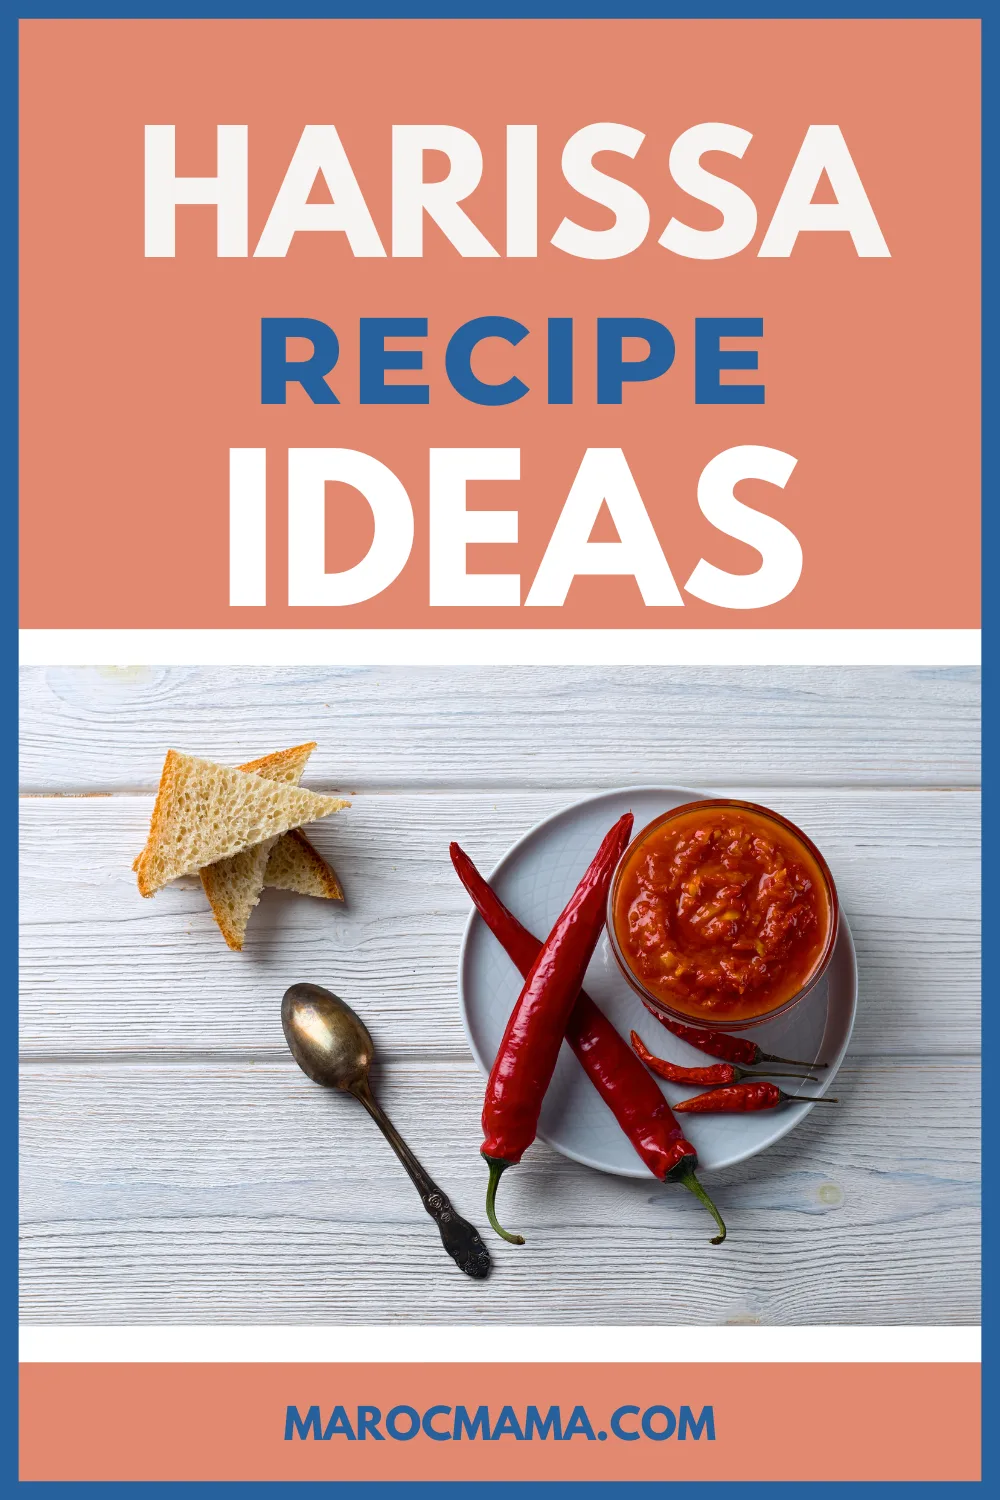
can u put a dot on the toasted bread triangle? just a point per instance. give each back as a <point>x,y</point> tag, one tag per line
<point>296,865</point>
<point>206,812</point>
<point>280,765</point>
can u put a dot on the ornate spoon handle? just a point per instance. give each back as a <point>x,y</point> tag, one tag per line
<point>461,1240</point>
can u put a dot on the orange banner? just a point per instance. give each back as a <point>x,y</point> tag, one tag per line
<point>147,392</point>
<point>501,1422</point>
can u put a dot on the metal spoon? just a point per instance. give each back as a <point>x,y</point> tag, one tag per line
<point>332,1046</point>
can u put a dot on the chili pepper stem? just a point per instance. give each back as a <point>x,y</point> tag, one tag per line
<point>770,1073</point>
<point>497,1169</point>
<point>688,1178</point>
<point>793,1062</point>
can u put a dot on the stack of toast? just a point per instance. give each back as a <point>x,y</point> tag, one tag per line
<point>240,830</point>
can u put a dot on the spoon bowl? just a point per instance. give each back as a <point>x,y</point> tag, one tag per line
<point>329,1041</point>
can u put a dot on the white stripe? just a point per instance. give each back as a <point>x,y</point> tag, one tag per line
<point>295,647</point>
<point>489,1344</point>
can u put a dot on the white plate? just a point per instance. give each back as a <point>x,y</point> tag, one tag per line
<point>535,878</point>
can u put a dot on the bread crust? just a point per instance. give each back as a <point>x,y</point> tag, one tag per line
<point>164,792</point>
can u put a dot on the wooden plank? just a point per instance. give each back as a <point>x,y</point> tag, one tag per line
<point>242,1193</point>
<point>104,971</point>
<point>105,729</point>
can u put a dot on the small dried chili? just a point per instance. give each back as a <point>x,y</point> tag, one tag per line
<point>720,1073</point>
<point>527,1055</point>
<point>744,1098</point>
<point>735,1049</point>
<point>626,1088</point>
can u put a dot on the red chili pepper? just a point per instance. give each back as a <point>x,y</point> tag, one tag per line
<point>637,1104</point>
<point>626,1088</point>
<point>743,1098</point>
<point>721,1073</point>
<point>735,1049</point>
<point>527,1055</point>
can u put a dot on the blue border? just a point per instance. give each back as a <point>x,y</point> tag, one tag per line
<point>633,9</point>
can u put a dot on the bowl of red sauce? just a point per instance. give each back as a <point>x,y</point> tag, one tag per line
<point>722,913</point>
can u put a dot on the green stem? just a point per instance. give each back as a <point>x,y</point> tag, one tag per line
<point>771,1073</point>
<point>689,1180</point>
<point>497,1169</point>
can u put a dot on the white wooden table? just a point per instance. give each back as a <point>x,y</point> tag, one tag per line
<point>178,1168</point>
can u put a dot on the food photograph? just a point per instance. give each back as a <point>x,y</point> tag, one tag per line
<point>572,996</point>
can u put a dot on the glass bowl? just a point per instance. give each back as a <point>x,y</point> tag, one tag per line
<point>811,857</point>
